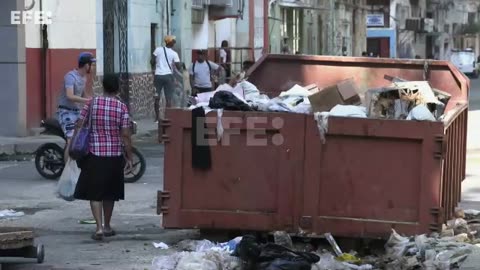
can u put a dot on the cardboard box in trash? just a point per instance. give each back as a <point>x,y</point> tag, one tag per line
<point>345,93</point>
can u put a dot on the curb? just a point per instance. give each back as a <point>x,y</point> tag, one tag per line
<point>20,149</point>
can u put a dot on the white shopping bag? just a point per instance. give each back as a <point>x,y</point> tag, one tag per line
<point>68,181</point>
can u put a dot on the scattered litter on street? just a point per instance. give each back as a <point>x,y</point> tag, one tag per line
<point>160,245</point>
<point>334,244</point>
<point>434,251</point>
<point>206,245</point>
<point>87,221</point>
<point>10,214</point>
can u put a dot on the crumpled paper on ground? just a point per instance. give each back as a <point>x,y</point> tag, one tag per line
<point>160,245</point>
<point>207,260</point>
<point>10,214</point>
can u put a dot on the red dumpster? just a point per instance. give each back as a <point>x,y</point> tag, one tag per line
<point>370,176</point>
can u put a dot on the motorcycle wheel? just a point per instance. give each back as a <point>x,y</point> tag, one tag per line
<point>138,167</point>
<point>49,161</point>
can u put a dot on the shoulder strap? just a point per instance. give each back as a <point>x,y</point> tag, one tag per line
<point>193,68</point>
<point>88,117</point>
<point>166,58</point>
<point>209,67</point>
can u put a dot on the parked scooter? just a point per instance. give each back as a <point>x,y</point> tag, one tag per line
<point>49,157</point>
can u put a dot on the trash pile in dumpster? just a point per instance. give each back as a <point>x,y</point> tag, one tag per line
<point>402,100</point>
<point>437,251</point>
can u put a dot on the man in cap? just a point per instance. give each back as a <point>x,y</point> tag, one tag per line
<point>165,59</point>
<point>74,95</point>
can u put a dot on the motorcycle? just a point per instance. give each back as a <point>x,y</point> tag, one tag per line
<point>49,157</point>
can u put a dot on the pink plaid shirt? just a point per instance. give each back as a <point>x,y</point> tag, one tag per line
<point>109,116</point>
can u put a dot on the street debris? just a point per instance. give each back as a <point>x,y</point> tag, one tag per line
<point>10,214</point>
<point>160,245</point>
<point>402,100</point>
<point>334,244</point>
<point>432,252</point>
<point>283,239</point>
<point>87,221</point>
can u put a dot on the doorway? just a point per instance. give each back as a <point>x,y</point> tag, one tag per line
<point>379,46</point>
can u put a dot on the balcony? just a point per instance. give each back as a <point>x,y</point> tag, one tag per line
<point>220,9</point>
<point>219,3</point>
<point>296,3</point>
<point>198,4</point>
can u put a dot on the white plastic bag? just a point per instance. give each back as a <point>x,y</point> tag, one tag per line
<point>421,113</point>
<point>396,245</point>
<point>68,181</point>
<point>167,262</point>
<point>349,111</point>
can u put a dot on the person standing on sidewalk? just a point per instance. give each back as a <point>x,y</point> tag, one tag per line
<point>225,59</point>
<point>165,59</point>
<point>203,73</point>
<point>101,179</point>
<point>74,95</point>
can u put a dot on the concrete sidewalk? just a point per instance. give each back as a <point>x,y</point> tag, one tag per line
<point>24,146</point>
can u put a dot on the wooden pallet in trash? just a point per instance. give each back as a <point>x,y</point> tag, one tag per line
<point>14,238</point>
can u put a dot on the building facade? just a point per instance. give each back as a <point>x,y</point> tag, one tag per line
<point>123,34</point>
<point>318,27</point>
<point>13,100</point>
<point>456,26</point>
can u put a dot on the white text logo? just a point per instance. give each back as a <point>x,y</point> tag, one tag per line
<point>35,17</point>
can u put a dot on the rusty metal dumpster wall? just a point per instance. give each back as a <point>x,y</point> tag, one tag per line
<point>249,187</point>
<point>371,175</point>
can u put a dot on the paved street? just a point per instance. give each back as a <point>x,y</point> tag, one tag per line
<point>68,242</point>
<point>471,185</point>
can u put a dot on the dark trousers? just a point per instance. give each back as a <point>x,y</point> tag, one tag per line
<point>167,84</point>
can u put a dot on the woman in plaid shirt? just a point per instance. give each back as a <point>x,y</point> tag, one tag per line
<point>102,171</point>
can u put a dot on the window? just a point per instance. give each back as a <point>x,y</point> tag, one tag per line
<point>471,17</point>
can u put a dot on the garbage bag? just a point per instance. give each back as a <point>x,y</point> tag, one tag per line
<point>349,111</point>
<point>68,181</point>
<point>197,261</point>
<point>272,256</point>
<point>167,262</point>
<point>282,264</point>
<point>283,239</point>
<point>421,243</point>
<point>228,101</point>
<point>195,245</point>
<point>248,249</point>
<point>328,262</point>
<point>421,113</point>
<point>396,245</point>
<point>209,260</point>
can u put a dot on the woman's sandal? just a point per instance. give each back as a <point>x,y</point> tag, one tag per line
<point>97,236</point>
<point>109,234</point>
